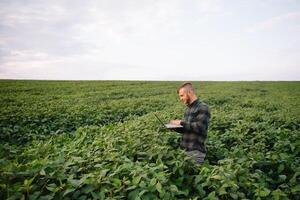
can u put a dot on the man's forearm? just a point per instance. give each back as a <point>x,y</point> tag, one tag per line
<point>196,127</point>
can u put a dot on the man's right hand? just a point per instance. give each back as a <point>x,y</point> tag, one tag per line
<point>175,122</point>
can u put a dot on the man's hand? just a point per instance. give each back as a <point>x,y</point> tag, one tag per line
<point>175,122</point>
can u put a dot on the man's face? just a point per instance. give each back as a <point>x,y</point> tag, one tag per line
<point>184,96</point>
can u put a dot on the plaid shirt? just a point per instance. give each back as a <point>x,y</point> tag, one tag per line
<point>195,125</point>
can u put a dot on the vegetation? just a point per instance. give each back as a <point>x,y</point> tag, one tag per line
<point>100,140</point>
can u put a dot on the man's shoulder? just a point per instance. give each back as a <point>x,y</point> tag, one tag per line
<point>198,106</point>
<point>202,105</point>
<point>203,108</point>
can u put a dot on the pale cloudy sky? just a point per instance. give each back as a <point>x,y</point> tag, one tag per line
<point>150,39</point>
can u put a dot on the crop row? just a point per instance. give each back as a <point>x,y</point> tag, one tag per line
<point>252,151</point>
<point>121,161</point>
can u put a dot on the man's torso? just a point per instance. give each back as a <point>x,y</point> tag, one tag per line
<point>197,115</point>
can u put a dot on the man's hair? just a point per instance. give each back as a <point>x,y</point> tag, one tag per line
<point>188,87</point>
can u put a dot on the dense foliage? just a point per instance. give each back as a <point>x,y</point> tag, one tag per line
<point>100,140</point>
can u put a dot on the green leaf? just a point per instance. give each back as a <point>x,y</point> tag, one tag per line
<point>211,196</point>
<point>134,195</point>
<point>2,186</point>
<point>278,194</point>
<point>264,192</point>
<point>28,182</point>
<point>52,188</point>
<point>159,187</point>
<point>68,191</point>
<point>47,197</point>
<point>104,172</point>
<point>74,182</point>
<point>131,187</point>
<point>142,192</point>
<point>153,182</point>
<point>98,165</point>
<point>149,196</point>
<point>234,195</point>
<point>295,189</point>
<point>174,189</point>
<point>280,168</point>
<point>217,177</point>
<point>98,195</point>
<point>88,189</point>
<point>198,179</point>
<point>42,172</point>
<point>222,191</point>
<point>16,195</point>
<point>142,184</point>
<point>136,180</point>
<point>117,182</point>
<point>200,190</point>
<point>35,195</point>
<point>282,177</point>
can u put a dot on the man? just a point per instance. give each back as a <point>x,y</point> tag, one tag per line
<point>195,123</point>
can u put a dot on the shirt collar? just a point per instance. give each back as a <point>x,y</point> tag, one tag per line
<point>194,103</point>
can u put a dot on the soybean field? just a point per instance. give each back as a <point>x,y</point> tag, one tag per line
<point>101,140</point>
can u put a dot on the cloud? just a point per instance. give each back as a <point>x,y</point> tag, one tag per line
<point>85,34</point>
<point>19,15</point>
<point>134,39</point>
<point>35,65</point>
<point>209,7</point>
<point>58,28</point>
<point>38,27</point>
<point>112,22</point>
<point>275,22</point>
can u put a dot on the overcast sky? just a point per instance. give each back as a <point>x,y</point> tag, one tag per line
<point>150,39</point>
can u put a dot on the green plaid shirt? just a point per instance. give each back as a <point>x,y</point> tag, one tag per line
<point>195,125</point>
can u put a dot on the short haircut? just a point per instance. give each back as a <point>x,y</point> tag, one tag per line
<point>187,86</point>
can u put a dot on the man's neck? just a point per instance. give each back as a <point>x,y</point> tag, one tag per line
<point>193,99</point>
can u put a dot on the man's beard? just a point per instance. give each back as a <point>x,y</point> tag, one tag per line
<point>188,101</point>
